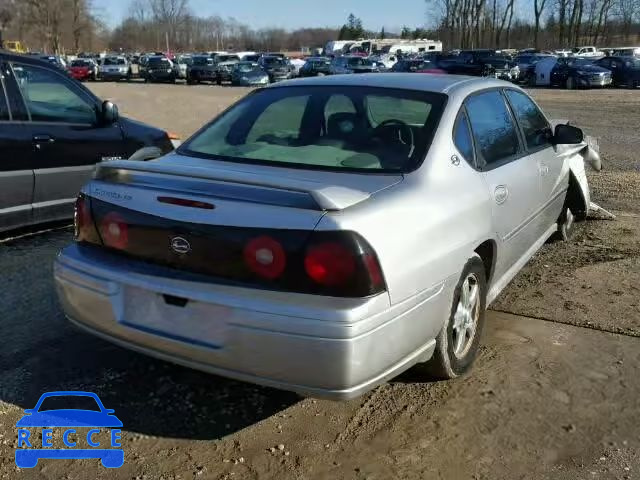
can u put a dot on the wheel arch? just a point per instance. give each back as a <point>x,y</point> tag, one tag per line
<point>487,252</point>
<point>575,198</point>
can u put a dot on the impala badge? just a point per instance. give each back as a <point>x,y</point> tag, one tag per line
<point>180,245</point>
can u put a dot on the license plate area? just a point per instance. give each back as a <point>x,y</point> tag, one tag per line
<point>175,317</point>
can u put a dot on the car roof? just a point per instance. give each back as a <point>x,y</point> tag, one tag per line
<point>26,59</point>
<point>448,84</point>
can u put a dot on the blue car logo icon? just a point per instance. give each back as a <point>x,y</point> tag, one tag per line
<point>69,419</point>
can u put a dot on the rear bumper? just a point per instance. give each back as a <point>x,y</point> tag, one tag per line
<point>317,346</point>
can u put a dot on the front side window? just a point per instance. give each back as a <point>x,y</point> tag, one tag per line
<point>50,98</point>
<point>536,129</point>
<point>329,127</point>
<point>493,128</point>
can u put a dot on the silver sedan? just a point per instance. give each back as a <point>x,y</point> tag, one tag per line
<point>324,235</point>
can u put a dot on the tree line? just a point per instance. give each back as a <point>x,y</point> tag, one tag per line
<point>70,26</point>
<point>540,24</point>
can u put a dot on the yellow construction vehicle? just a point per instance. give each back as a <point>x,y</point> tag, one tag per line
<point>14,46</point>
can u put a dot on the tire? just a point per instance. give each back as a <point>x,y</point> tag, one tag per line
<point>571,83</point>
<point>219,81</point>
<point>452,358</point>
<point>566,225</point>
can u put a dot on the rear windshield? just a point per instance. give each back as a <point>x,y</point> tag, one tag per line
<point>200,61</point>
<point>325,127</point>
<point>159,61</point>
<point>360,62</point>
<point>114,61</point>
<point>80,63</point>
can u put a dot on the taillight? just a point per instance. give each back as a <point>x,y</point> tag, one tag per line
<point>343,264</point>
<point>330,264</point>
<point>265,257</point>
<point>114,231</point>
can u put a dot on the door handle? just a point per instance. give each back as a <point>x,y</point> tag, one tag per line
<point>39,140</point>
<point>501,193</point>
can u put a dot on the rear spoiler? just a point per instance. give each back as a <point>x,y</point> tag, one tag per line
<point>323,196</point>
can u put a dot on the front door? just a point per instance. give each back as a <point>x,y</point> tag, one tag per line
<point>552,171</point>
<point>67,138</point>
<point>16,171</point>
<point>510,174</point>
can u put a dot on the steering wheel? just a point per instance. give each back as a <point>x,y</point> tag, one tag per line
<point>402,129</point>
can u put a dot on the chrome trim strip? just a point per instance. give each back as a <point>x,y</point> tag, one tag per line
<point>531,218</point>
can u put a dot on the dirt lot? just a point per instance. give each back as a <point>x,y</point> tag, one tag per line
<point>548,398</point>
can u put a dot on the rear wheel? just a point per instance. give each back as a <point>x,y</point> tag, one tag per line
<point>458,342</point>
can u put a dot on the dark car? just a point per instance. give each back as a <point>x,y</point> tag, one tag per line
<point>159,69</point>
<point>315,66</point>
<point>277,68</point>
<point>625,71</point>
<point>416,66</point>
<point>224,66</point>
<point>527,64</point>
<point>571,73</point>
<point>202,69</point>
<point>248,74</point>
<point>348,65</point>
<point>54,132</point>
<point>480,63</point>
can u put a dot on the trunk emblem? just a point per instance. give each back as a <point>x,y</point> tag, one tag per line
<point>180,245</point>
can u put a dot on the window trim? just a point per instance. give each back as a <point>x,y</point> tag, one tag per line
<point>69,84</point>
<point>481,163</point>
<point>523,137</point>
<point>3,65</point>
<point>473,163</point>
<point>183,149</point>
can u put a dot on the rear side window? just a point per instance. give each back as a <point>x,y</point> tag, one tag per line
<point>286,114</point>
<point>493,128</point>
<point>535,127</point>
<point>462,138</point>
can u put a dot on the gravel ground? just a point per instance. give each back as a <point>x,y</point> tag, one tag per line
<point>547,399</point>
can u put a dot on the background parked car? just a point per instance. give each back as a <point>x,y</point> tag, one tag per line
<point>202,69</point>
<point>160,69</point>
<point>351,64</point>
<point>571,73</point>
<point>527,65</point>
<point>247,74</point>
<point>115,68</point>
<point>82,69</point>
<point>181,64</point>
<point>54,131</point>
<point>224,67</point>
<point>625,71</point>
<point>277,67</point>
<point>416,66</point>
<point>315,66</point>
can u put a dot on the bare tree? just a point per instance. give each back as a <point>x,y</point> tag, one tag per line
<point>538,8</point>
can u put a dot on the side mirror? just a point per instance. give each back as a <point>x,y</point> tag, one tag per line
<point>109,113</point>
<point>567,135</point>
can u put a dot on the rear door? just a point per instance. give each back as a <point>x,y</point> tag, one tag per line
<point>66,136</point>
<point>511,175</point>
<point>16,156</point>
